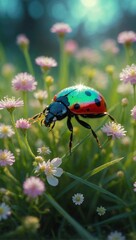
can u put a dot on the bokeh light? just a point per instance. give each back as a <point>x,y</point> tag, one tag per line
<point>91,21</point>
<point>11,9</point>
<point>35,9</point>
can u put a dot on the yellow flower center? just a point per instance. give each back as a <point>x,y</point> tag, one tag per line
<point>133,73</point>
<point>49,169</point>
<point>4,129</point>
<point>78,199</point>
<point>3,156</point>
<point>23,82</point>
<point>114,127</point>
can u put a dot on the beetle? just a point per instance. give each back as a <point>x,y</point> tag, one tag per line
<point>75,101</point>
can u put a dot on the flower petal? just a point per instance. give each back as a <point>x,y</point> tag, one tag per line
<point>53,181</point>
<point>58,172</point>
<point>56,162</point>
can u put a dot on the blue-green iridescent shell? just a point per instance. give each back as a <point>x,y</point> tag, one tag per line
<point>81,100</point>
<point>79,94</point>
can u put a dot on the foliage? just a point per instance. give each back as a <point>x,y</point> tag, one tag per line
<point>104,176</point>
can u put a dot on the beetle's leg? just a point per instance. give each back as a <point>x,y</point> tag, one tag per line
<point>110,116</point>
<point>70,127</point>
<point>42,122</point>
<point>86,125</point>
<point>38,116</point>
<point>44,110</point>
<point>52,126</point>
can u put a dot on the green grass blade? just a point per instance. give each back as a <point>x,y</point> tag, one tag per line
<point>81,231</point>
<point>89,174</point>
<point>115,218</point>
<point>102,167</point>
<point>95,187</point>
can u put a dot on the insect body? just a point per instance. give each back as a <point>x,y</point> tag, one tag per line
<point>75,101</point>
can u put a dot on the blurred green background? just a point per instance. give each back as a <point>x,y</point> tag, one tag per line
<point>91,20</point>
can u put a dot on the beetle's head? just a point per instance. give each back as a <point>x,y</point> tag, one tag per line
<point>55,111</point>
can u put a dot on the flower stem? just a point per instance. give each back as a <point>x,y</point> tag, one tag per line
<point>5,143</point>
<point>106,142</point>
<point>46,87</point>
<point>15,129</point>
<point>9,175</point>
<point>25,103</point>
<point>134,89</point>
<point>28,146</point>
<point>82,231</point>
<point>28,60</point>
<point>134,137</point>
<point>63,65</point>
<point>128,52</point>
<point>2,54</point>
<point>122,120</point>
<point>45,73</point>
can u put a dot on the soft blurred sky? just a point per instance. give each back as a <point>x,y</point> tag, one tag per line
<point>91,20</point>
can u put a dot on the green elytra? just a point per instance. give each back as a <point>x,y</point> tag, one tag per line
<point>77,94</point>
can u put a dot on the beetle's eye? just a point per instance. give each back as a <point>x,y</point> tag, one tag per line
<point>54,119</point>
<point>47,111</point>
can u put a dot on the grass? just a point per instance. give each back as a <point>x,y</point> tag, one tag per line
<point>104,176</point>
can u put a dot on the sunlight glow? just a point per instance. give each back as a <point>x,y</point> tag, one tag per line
<point>88,3</point>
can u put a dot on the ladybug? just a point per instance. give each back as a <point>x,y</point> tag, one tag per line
<point>75,101</point>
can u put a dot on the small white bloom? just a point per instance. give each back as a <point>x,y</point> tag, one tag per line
<point>51,170</point>
<point>134,186</point>
<point>78,198</point>
<point>124,89</point>
<point>41,95</point>
<point>6,131</point>
<point>126,140</point>
<point>43,150</point>
<point>101,210</point>
<point>4,211</point>
<point>124,102</point>
<point>116,236</point>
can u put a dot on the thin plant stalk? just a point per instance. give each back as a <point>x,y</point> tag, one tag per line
<point>46,87</point>
<point>128,53</point>
<point>85,234</point>
<point>49,94</point>
<point>45,73</point>
<point>134,90</point>
<point>28,146</point>
<point>28,61</point>
<point>15,130</point>
<point>63,65</point>
<point>5,141</point>
<point>10,175</point>
<point>66,70</point>
<point>123,113</point>
<point>25,104</point>
<point>2,54</point>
